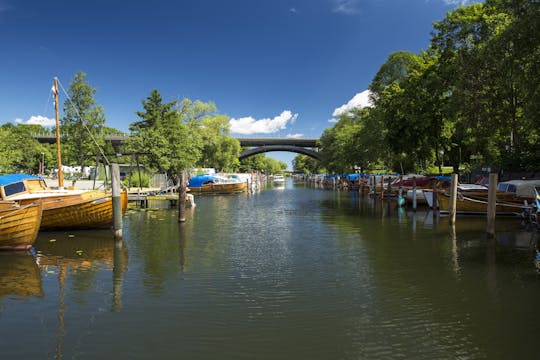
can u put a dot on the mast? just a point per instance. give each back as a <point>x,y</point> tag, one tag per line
<point>58,153</point>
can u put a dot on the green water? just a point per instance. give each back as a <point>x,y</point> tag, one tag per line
<point>287,273</point>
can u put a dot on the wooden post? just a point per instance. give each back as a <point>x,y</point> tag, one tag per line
<point>453,197</point>
<point>434,200</point>
<point>182,198</point>
<point>492,204</point>
<point>116,201</point>
<point>414,193</point>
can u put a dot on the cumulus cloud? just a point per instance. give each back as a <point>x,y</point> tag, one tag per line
<point>359,101</point>
<point>249,125</point>
<point>37,120</point>
<point>294,136</point>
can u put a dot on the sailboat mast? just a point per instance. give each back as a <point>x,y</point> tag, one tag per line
<point>58,153</point>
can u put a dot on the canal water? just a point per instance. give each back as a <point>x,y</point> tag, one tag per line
<point>286,273</point>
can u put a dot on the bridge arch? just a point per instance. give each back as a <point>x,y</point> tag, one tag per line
<point>290,148</point>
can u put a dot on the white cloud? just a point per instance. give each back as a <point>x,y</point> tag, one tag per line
<point>458,2</point>
<point>249,125</point>
<point>37,120</point>
<point>346,7</point>
<point>294,136</point>
<point>293,10</point>
<point>359,101</point>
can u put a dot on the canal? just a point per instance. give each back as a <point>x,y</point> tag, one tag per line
<point>286,273</point>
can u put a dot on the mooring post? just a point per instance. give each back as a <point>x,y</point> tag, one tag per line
<point>116,201</point>
<point>182,198</point>
<point>492,204</point>
<point>414,193</point>
<point>453,197</point>
<point>434,199</point>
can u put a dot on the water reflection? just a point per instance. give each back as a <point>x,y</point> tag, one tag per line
<point>288,273</point>
<point>19,275</point>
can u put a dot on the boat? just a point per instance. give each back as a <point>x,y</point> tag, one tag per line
<point>62,208</point>
<point>279,180</point>
<point>472,206</point>
<point>519,190</point>
<point>19,225</point>
<point>214,184</point>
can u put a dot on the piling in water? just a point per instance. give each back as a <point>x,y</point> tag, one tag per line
<point>116,201</point>
<point>492,204</point>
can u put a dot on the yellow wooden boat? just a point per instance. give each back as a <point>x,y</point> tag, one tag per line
<point>62,208</point>
<point>472,206</point>
<point>19,225</point>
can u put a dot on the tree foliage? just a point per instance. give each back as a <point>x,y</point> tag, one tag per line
<point>473,94</point>
<point>83,122</point>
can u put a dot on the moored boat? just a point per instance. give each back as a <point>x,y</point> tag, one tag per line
<point>62,208</point>
<point>470,206</point>
<point>212,184</point>
<point>19,225</point>
<point>278,179</point>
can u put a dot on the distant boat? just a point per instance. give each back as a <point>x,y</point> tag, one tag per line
<point>279,179</point>
<point>19,225</point>
<point>213,184</point>
<point>62,208</point>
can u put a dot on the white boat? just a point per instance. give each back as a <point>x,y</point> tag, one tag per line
<point>279,179</point>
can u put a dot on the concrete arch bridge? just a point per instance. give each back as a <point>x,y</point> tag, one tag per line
<point>256,146</point>
<point>307,147</point>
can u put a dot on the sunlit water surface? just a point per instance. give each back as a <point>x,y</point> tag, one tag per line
<point>287,273</point>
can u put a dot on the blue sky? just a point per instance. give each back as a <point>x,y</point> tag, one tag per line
<point>277,68</point>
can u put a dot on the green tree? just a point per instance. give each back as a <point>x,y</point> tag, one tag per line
<point>170,133</point>
<point>220,150</point>
<point>20,151</point>
<point>303,164</point>
<point>83,121</point>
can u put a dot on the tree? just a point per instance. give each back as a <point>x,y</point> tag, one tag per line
<point>220,151</point>
<point>20,151</point>
<point>304,164</point>
<point>83,122</point>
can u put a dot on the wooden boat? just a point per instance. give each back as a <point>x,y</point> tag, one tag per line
<point>19,225</point>
<point>211,184</point>
<point>518,190</point>
<point>62,208</point>
<point>470,206</point>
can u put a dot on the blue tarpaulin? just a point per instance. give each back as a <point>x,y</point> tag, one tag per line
<point>13,178</point>
<point>199,180</point>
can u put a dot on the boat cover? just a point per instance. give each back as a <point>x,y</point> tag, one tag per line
<point>13,178</point>
<point>199,180</point>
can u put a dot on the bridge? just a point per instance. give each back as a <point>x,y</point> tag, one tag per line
<point>256,145</point>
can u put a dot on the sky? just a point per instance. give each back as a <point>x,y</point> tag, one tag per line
<point>276,68</point>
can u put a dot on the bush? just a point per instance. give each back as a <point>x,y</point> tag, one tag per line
<point>145,180</point>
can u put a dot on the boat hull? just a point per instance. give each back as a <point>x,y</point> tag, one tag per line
<point>19,225</point>
<point>89,209</point>
<point>227,188</point>
<point>470,206</point>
